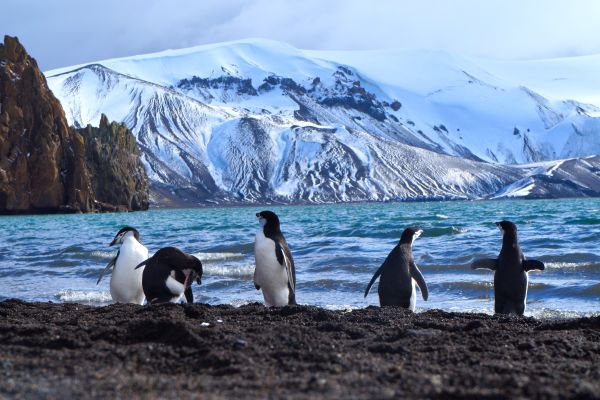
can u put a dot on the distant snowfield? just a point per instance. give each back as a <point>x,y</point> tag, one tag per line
<point>258,120</point>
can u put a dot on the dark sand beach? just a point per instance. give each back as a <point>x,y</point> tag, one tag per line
<point>182,351</point>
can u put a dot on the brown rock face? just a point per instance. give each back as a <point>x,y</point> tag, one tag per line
<point>113,160</point>
<point>43,166</point>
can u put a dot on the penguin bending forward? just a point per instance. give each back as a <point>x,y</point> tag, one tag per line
<point>126,282</point>
<point>169,274</point>
<point>399,274</point>
<point>275,273</point>
<point>510,272</point>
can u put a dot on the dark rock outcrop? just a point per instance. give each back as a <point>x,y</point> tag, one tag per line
<point>119,180</point>
<point>43,166</point>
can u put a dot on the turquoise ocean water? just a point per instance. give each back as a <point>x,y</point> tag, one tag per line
<point>336,248</point>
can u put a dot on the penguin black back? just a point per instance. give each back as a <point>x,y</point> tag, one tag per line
<point>397,273</point>
<point>510,272</point>
<point>166,264</point>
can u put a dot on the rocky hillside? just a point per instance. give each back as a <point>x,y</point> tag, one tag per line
<point>259,121</point>
<point>43,164</point>
<point>118,177</point>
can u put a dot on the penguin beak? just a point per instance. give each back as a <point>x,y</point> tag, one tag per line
<point>500,227</point>
<point>114,241</point>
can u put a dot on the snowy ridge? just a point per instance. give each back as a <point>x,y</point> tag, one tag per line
<point>256,121</point>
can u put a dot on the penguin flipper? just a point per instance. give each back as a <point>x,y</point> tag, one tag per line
<point>284,256</point>
<point>415,273</point>
<point>109,266</point>
<point>143,263</point>
<point>189,296</point>
<point>528,265</point>
<point>373,279</point>
<point>487,263</point>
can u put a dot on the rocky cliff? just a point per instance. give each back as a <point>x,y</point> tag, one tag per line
<point>43,165</point>
<point>113,161</point>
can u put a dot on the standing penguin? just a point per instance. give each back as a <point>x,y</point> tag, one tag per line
<point>275,273</point>
<point>169,274</point>
<point>510,272</point>
<point>126,282</point>
<point>399,274</point>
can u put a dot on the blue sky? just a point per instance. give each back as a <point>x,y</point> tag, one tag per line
<point>66,32</point>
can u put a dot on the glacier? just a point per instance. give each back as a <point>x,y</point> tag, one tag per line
<point>258,121</point>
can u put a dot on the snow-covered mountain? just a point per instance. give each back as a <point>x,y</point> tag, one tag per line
<point>257,120</point>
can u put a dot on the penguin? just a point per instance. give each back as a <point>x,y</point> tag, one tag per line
<point>169,274</point>
<point>126,282</point>
<point>399,273</point>
<point>510,272</point>
<point>275,272</point>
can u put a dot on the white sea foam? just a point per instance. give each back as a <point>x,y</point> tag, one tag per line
<point>103,254</point>
<point>84,296</point>
<point>547,313</point>
<point>564,265</point>
<point>239,302</point>
<point>238,271</point>
<point>340,307</point>
<point>217,256</point>
<point>442,216</point>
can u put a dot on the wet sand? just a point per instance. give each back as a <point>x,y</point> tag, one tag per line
<point>183,351</point>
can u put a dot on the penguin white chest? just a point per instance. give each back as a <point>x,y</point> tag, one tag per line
<point>413,296</point>
<point>126,282</point>
<point>269,274</point>
<point>175,287</point>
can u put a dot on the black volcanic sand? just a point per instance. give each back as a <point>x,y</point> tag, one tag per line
<point>182,351</point>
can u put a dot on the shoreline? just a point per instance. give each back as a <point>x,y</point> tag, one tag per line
<point>69,350</point>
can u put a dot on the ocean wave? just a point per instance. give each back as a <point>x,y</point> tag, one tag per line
<point>572,265</point>
<point>449,230</point>
<point>331,284</point>
<point>103,255</point>
<point>583,221</point>
<point>442,216</point>
<point>238,271</point>
<point>592,290</point>
<point>553,314</point>
<point>210,257</point>
<point>462,286</point>
<point>84,296</point>
<point>432,266</point>
<point>340,307</point>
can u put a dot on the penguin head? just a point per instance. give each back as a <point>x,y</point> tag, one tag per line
<point>507,227</point>
<point>268,218</point>
<point>410,234</point>
<point>123,233</point>
<point>196,266</point>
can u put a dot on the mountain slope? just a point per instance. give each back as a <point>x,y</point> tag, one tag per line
<point>262,121</point>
